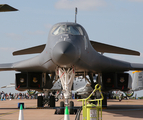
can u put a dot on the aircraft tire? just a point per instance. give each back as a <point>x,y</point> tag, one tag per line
<point>71,107</point>
<point>40,101</point>
<point>75,95</point>
<point>62,107</point>
<point>52,101</point>
<point>104,101</point>
<point>56,99</point>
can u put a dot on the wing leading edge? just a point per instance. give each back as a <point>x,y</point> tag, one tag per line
<point>32,50</point>
<point>136,66</point>
<point>99,47</point>
<point>7,66</point>
<point>105,48</point>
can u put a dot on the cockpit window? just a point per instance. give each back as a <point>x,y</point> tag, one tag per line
<point>67,29</point>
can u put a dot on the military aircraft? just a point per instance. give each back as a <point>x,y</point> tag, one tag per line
<point>9,86</point>
<point>7,8</point>
<point>135,85</point>
<point>84,91</point>
<point>67,54</point>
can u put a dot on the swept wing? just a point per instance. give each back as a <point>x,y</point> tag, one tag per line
<point>32,50</point>
<point>7,66</point>
<point>106,48</point>
<point>99,47</point>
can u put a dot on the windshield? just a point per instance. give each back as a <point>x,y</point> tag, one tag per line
<point>67,29</point>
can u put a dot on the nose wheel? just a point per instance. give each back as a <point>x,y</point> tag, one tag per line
<point>62,107</point>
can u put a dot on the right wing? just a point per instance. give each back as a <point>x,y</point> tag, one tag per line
<point>5,67</point>
<point>32,50</point>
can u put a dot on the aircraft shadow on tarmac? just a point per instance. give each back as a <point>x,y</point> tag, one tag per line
<point>134,111</point>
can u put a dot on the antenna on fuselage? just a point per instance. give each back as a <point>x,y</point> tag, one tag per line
<point>75,13</point>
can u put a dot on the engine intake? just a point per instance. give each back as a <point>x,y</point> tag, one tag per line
<point>116,81</point>
<point>28,80</point>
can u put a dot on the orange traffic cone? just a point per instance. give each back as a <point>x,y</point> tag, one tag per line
<point>21,117</point>
<point>66,117</point>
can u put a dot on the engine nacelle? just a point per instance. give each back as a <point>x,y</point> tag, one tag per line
<point>116,81</point>
<point>28,80</point>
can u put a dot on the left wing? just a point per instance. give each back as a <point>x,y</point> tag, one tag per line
<point>105,48</point>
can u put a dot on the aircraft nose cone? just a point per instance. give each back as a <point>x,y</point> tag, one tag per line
<point>64,53</point>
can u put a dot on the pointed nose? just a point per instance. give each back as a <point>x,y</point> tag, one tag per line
<point>64,53</point>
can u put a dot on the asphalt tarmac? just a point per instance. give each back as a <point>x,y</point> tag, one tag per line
<point>124,110</point>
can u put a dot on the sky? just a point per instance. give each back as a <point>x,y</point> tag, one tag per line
<point>114,22</point>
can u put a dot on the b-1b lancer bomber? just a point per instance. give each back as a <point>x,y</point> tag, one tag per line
<point>67,54</point>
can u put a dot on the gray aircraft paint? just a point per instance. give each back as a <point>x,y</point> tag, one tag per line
<point>82,55</point>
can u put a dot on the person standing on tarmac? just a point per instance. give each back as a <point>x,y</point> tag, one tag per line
<point>2,96</point>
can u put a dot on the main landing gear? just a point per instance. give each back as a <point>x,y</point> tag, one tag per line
<point>49,101</point>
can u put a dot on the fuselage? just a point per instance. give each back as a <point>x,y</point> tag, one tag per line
<point>69,46</point>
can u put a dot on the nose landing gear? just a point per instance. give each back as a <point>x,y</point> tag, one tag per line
<point>66,76</point>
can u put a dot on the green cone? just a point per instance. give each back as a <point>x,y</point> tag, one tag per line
<point>21,108</point>
<point>66,111</point>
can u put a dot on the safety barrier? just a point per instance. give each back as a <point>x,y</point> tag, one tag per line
<point>91,111</point>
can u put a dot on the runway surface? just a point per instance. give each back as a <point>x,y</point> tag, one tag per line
<point>124,110</point>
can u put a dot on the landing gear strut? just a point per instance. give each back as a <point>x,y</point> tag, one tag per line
<point>46,100</point>
<point>66,76</point>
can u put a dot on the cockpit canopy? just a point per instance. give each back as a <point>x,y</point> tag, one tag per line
<point>67,29</point>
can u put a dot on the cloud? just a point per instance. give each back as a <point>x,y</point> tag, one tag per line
<point>48,26</point>
<point>35,32</point>
<point>7,49</point>
<point>81,4</point>
<point>136,0</point>
<point>14,36</point>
